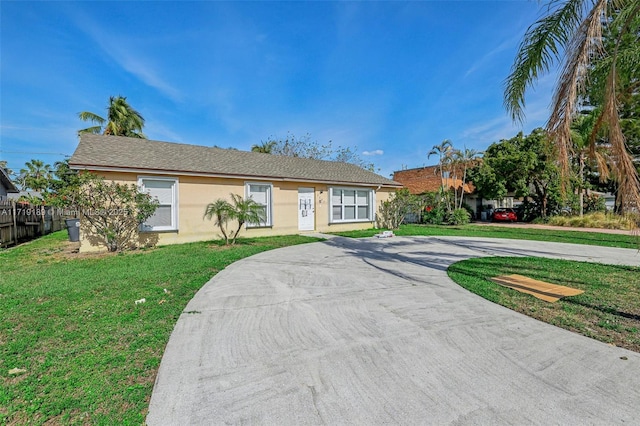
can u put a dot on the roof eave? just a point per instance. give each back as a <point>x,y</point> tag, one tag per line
<point>10,186</point>
<point>96,168</point>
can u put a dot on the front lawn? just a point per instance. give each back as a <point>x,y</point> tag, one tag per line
<point>608,310</point>
<point>559,236</point>
<point>75,348</point>
<point>89,353</point>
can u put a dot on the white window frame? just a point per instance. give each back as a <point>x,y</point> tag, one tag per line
<point>371,204</point>
<point>174,203</point>
<point>269,219</point>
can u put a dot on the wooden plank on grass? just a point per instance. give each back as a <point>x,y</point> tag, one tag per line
<point>540,289</point>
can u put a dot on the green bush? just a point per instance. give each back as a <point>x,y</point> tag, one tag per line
<point>594,203</point>
<point>434,215</point>
<point>458,217</point>
<point>393,211</point>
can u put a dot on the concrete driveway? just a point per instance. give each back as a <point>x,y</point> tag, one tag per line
<point>374,332</point>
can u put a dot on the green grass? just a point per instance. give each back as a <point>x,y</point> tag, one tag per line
<point>90,353</point>
<point>608,310</point>
<point>575,237</point>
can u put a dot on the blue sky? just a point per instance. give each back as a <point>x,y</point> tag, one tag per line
<point>390,79</point>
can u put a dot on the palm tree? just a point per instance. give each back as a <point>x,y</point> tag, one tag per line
<point>467,158</point>
<point>583,138</point>
<point>575,31</point>
<point>220,210</point>
<point>444,151</point>
<point>240,209</point>
<point>122,120</point>
<point>264,147</point>
<point>37,176</point>
<point>245,211</point>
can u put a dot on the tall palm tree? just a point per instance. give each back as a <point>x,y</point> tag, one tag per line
<point>36,176</point>
<point>575,31</point>
<point>584,146</point>
<point>467,158</point>
<point>122,120</point>
<point>444,151</point>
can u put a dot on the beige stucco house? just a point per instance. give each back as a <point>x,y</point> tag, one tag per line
<point>299,194</point>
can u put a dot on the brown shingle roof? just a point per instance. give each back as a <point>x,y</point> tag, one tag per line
<point>427,179</point>
<point>98,152</point>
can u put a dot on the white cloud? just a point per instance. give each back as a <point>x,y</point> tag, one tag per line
<point>488,56</point>
<point>145,73</point>
<point>120,50</point>
<point>375,152</point>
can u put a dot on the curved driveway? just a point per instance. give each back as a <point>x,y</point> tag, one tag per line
<point>374,332</point>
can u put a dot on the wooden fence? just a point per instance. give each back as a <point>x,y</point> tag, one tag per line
<point>22,222</point>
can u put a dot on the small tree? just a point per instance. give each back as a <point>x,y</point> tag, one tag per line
<point>220,210</point>
<point>113,211</point>
<point>245,211</point>
<point>66,187</point>
<point>241,210</point>
<point>396,208</point>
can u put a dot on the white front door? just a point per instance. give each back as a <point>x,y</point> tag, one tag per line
<point>306,209</point>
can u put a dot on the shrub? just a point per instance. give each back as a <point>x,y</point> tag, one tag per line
<point>458,217</point>
<point>393,211</point>
<point>594,203</point>
<point>112,212</point>
<point>434,215</point>
<point>528,212</point>
<point>597,220</point>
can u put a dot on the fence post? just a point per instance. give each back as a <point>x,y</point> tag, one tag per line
<point>15,222</point>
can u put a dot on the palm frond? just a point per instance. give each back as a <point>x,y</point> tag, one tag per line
<point>541,47</point>
<point>96,130</point>
<point>624,170</point>
<point>89,116</point>
<point>583,47</point>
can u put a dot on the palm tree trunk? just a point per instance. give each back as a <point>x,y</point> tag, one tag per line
<point>581,184</point>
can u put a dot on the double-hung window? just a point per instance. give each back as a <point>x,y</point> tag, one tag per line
<point>261,194</point>
<point>351,205</point>
<point>165,191</point>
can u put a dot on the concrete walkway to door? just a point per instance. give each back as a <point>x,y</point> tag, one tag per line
<point>374,332</point>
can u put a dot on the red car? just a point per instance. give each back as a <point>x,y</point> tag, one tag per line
<point>504,215</point>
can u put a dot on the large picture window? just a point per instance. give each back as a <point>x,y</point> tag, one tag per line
<point>261,194</point>
<point>165,190</point>
<point>351,205</point>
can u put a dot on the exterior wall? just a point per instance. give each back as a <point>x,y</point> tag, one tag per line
<point>3,192</point>
<point>194,193</point>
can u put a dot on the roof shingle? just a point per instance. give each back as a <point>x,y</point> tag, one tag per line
<point>122,153</point>
<point>427,179</point>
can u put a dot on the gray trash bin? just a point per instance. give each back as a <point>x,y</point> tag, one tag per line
<point>73,227</point>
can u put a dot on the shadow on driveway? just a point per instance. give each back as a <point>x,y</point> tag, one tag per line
<point>374,332</point>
